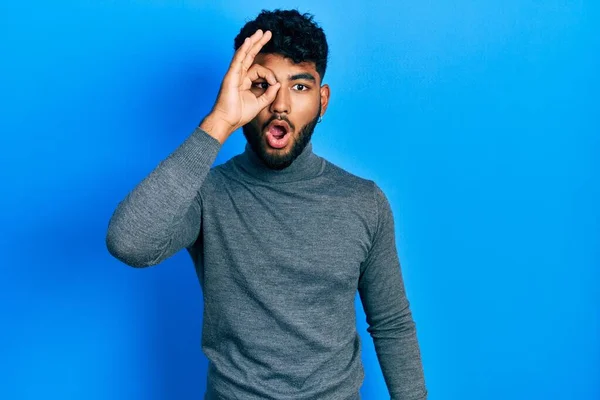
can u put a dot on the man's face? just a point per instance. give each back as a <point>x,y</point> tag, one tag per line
<point>297,106</point>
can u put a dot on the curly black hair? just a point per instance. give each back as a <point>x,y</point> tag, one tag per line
<point>295,36</point>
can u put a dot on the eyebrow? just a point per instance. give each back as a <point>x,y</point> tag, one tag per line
<point>304,75</point>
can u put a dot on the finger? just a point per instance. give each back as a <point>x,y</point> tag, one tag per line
<point>236,66</point>
<point>255,49</point>
<point>267,97</point>
<point>258,72</point>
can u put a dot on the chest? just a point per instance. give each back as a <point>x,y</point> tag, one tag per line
<point>285,234</point>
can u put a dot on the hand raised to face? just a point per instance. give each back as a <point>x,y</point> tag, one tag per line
<point>236,104</point>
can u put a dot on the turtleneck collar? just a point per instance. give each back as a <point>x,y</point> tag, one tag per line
<point>307,165</point>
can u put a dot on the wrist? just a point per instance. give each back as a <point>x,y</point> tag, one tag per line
<point>216,127</point>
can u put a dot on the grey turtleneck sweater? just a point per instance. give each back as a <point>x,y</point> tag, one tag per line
<point>280,256</point>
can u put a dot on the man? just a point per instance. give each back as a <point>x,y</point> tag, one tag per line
<point>281,238</point>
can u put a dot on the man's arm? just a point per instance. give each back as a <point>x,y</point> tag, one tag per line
<point>161,215</point>
<point>386,306</point>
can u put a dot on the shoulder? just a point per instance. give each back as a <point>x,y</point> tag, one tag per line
<point>364,193</point>
<point>366,188</point>
<point>344,178</point>
<point>366,197</point>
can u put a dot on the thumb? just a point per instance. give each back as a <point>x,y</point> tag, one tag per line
<point>268,96</point>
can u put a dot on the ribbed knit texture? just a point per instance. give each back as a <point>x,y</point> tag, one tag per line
<point>280,256</point>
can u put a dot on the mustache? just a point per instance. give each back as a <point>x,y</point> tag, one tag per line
<point>279,118</point>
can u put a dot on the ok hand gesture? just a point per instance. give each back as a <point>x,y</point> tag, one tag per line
<point>236,104</point>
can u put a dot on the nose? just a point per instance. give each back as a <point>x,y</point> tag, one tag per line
<point>281,104</point>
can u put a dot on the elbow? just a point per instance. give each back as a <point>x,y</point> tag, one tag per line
<point>125,249</point>
<point>394,323</point>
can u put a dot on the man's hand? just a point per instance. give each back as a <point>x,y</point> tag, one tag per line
<point>236,105</point>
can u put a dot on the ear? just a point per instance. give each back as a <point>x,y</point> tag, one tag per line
<point>324,98</point>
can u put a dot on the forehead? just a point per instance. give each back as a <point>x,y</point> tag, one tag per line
<point>282,66</point>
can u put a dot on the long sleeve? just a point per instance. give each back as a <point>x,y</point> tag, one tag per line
<point>382,292</point>
<point>162,214</point>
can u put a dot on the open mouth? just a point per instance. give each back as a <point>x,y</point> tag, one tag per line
<point>277,131</point>
<point>277,135</point>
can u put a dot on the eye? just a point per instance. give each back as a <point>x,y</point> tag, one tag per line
<point>301,87</point>
<point>260,85</point>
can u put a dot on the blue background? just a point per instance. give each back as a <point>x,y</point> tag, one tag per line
<point>479,120</point>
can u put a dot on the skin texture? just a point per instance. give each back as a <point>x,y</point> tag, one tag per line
<point>259,88</point>
<point>299,101</point>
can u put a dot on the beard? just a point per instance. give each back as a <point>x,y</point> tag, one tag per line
<point>279,159</point>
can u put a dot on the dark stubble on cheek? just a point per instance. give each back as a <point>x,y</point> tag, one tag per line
<point>280,160</point>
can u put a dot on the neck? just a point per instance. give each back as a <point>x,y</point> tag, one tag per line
<point>307,165</point>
